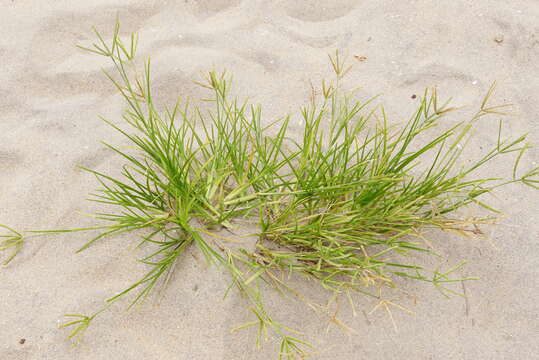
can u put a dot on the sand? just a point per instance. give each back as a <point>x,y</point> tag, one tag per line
<point>51,94</point>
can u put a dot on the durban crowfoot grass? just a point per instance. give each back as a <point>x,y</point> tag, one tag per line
<point>332,205</point>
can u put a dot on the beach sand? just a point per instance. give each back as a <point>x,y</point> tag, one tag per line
<point>51,94</point>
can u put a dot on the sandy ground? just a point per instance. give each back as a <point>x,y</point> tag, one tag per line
<point>52,93</point>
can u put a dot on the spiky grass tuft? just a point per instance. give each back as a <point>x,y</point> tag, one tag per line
<point>332,205</point>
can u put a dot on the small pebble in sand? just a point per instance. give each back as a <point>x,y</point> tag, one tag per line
<point>499,39</point>
<point>360,57</point>
<point>474,82</point>
<point>22,341</point>
<point>414,96</point>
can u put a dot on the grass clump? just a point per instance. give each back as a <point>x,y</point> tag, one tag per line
<point>338,204</point>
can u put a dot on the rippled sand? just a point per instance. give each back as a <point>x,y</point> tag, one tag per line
<point>51,94</point>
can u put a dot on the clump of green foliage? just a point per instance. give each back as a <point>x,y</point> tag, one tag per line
<point>333,205</point>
